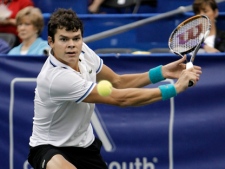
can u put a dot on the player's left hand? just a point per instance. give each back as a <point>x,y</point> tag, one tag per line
<point>174,69</point>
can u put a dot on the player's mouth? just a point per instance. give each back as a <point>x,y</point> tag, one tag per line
<point>71,53</point>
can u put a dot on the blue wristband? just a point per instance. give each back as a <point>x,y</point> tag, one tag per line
<point>167,91</point>
<point>155,74</point>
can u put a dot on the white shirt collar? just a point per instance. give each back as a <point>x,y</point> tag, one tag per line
<point>56,63</point>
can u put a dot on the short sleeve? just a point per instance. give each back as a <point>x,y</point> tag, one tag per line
<point>69,86</point>
<point>93,58</point>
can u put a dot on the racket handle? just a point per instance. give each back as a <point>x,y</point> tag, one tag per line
<point>190,83</point>
<point>188,66</point>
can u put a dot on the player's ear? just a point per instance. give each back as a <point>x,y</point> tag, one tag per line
<point>50,41</point>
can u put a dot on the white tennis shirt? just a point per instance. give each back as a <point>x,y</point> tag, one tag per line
<point>60,116</point>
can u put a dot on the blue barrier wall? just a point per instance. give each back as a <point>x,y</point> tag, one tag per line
<point>184,132</point>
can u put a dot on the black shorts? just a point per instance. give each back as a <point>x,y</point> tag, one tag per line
<point>81,158</point>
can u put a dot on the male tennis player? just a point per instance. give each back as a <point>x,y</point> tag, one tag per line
<point>66,94</point>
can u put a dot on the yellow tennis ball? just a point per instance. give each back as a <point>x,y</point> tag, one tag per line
<point>104,88</point>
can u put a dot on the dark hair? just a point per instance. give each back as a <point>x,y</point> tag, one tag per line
<point>200,4</point>
<point>64,18</point>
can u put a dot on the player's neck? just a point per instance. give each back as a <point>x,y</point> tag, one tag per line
<point>75,67</point>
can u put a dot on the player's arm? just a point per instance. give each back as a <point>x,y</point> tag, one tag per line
<point>171,70</point>
<point>126,97</point>
<point>143,96</point>
<point>139,96</point>
<point>123,81</point>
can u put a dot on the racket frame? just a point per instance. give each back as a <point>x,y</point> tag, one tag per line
<point>195,48</point>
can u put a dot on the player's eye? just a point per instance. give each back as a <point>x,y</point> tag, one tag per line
<point>76,38</point>
<point>63,39</point>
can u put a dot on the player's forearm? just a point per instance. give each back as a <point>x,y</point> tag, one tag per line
<point>154,75</point>
<point>134,96</point>
<point>133,81</point>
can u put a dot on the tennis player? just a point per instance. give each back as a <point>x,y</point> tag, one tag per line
<point>66,94</point>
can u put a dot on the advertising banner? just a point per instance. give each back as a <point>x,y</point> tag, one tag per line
<point>187,131</point>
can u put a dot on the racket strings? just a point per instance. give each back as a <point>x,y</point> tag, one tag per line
<point>189,35</point>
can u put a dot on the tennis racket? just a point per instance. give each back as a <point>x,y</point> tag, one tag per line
<point>188,37</point>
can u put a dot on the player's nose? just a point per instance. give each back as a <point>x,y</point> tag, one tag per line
<point>71,44</point>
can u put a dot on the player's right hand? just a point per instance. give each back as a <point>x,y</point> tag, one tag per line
<point>192,74</point>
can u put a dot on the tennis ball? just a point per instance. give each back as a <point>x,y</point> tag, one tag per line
<point>104,88</point>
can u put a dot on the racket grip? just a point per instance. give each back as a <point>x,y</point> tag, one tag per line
<point>188,66</point>
<point>190,83</point>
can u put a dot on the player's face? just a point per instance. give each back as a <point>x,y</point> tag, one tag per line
<point>26,30</point>
<point>208,11</point>
<point>67,46</point>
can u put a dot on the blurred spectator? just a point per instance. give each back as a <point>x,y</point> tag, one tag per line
<point>8,12</point>
<point>30,23</point>
<point>94,5</point>
<point>215,42</point>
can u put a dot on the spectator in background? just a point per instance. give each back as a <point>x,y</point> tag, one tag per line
<point>30,23</point>
<point>215,42</point>
<point>8,24</point>
<point>94,5</point>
